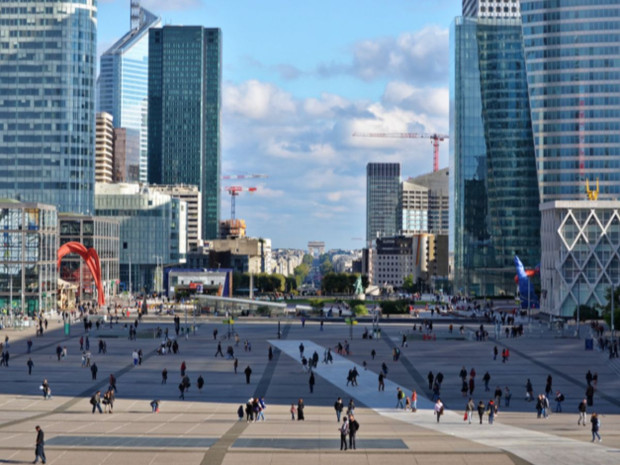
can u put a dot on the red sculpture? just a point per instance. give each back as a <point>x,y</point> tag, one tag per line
<point>91,258</point>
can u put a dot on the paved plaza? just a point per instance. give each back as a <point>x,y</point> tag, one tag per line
<point>204,428</point>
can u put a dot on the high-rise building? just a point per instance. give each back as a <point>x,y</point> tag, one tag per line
<point>123,88</point>
<point>185,113</point>
<point>573,73</point>
<point>492,164</point>
<point>104,148</point>
<point>191,196</point>
<point>383,213</point>
<point>47,102</point>
<point>153,231</point>
<point>425,203</point>
<point>491,8</point>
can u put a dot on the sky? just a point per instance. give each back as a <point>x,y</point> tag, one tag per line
<point>299,77</point>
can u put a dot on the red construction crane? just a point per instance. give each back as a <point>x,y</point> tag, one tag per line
<point>435,138</point>
<point>234,191</point>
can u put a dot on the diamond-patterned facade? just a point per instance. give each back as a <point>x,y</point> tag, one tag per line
<point>580,259</point>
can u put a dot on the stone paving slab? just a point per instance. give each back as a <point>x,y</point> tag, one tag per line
<point>211,413</point>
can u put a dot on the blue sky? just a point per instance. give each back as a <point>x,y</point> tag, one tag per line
<point>299,78</point>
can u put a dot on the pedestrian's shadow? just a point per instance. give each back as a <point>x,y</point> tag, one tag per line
<point>14,461</point>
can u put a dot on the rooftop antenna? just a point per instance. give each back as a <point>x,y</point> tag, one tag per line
<point>135,14</point>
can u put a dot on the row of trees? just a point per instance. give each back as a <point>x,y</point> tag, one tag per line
<point>333,283</point>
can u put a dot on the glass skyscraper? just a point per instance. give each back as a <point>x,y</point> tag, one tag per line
<point>572,54</point>
<point>47,102</point>
<point>123,89</point>
<point>492,165</point>
<point>184,113</point>
<point>383,215</point>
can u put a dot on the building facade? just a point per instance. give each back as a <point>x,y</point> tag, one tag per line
<point>492,162</point>
<point>425,202</point>
<point>491,8</point>
<point>47,102</point>
<point>580,259</point>
<point>104,148</point>
<point>123,89</point>
<point>184,114</point>
<point>99,233</point>
<point>152,232</point>
<point>572,58</point>
<point>28,276</point>
<point>191,196</point>
<point>397,257</point>
<point>383,214</point>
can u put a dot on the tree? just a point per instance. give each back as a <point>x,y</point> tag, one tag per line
<point>307,260</point>
<point>325,264</point>
<point>408,284</point>
<point>586,313</point>
<point>301,272</point>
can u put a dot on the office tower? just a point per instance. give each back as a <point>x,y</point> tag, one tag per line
<point>153,231</point>
<point>191,196</point>
<point>123,88</point>
<point>383,215</point>
<point>47,102</point>
<point>425,203</point>
<point>492,164</point>
<point>184,113</point>
<point>104,148</point>
<point>120,170</point>
<point>572,57</point>
<point>491,8</point>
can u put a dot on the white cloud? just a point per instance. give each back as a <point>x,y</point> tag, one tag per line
<point>257,100</point>
<point>419,57</point>
<point>317,170</point>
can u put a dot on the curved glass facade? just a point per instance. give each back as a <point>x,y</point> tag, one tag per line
<point>572,54</point>
<point>493,175</point>
<point>123,91</point>
<point>47,102</point>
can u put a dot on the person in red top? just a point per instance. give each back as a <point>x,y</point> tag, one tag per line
<point>183,368</point>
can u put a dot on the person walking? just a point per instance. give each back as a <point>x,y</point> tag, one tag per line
<point>590,395</point>
<point>400,397</point>
<point>486,378</point>
<point>95,401</point>
<point>248,373</point>
<point>108,401</point>
<point>492,411</point>
<point>559,398</point>
<point>183,368</point>
<point>381,382</point>
<point>300,410</point>
<point>30,364</point>
<point>113,382</point>
<point>596,424</point>
<point>430,378</point>
<point>219,350</point>
<point>164,376</point>
<point>353,427</point>
<point>93,371</point>
<point>311,382</point>
<point>469,409</point>
<point>39,448</point>
<point>414,401</point>
<point>480,410</point>
<point>338,407</point>
<point>438,409</point>
<point>582,408</point>
<point>344,431</point>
